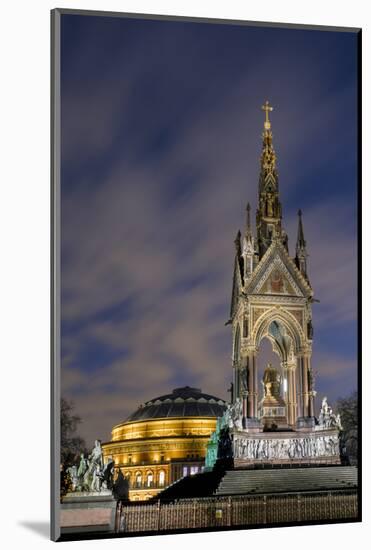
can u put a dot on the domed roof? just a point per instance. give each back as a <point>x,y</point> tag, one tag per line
<point>184,401</point>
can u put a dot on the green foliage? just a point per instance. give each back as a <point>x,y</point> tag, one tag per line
<point>66,484</point>
<point>348,409</point>
<point>71,444</point>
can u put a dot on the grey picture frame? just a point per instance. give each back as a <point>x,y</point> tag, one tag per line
<point>56,16</point>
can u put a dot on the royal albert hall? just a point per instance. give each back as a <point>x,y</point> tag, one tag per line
<point>164,440</point>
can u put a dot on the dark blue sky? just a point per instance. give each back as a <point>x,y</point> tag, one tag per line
<point>161,138</point>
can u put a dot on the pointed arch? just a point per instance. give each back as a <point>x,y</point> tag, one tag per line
<point>282,342</point>
<point>283,316</point>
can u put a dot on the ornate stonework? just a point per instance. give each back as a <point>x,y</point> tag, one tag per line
<point>298,314</point>
<point>277,280</point>
<point>257,312</point>
<point>272,298</point>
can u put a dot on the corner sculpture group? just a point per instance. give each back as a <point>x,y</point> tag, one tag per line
<point>327,418</point>
<point>91,474</point>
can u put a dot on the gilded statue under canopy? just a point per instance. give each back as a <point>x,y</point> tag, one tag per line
<point>271,382</point>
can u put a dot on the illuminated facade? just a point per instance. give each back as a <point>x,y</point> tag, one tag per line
<point>164,440</point>
<point>272,298</point>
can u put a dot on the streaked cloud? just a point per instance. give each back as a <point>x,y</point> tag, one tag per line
<point>160,155</point>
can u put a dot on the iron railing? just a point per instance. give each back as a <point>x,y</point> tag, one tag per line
<point>206,513</point>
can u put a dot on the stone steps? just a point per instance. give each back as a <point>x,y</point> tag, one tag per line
<point>287,480</point>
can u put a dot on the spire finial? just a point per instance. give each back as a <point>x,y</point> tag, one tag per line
<point>300,240</point>
<point>248,224</point>
<point>237,241</point>
<point>301,250</point>
<point>267,108</point>
<point>268,158</point>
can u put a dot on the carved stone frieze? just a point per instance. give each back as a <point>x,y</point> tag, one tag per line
<point>269,300</point>
<point>311,446</point>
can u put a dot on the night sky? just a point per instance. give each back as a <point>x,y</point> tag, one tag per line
<point>161,139</point>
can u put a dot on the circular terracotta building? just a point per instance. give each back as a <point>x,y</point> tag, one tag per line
<point>163,440</point>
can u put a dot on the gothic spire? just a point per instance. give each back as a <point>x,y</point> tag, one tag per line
<point>268,217</point>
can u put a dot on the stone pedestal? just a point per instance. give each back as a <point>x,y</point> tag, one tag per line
<point>273,413</point>
<point>88,512</point>
<point>252,424</point>
<point>305,423</point>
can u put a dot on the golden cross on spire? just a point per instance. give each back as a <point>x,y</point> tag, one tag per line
<point>267,108</point>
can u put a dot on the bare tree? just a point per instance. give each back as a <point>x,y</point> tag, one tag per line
<point>347,407</point>
<point>71,443</point>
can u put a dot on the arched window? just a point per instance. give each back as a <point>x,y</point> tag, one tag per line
<point>149,479</point>
<point>161,478</point>
<point>237,344</point>
<point>138,479</point>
